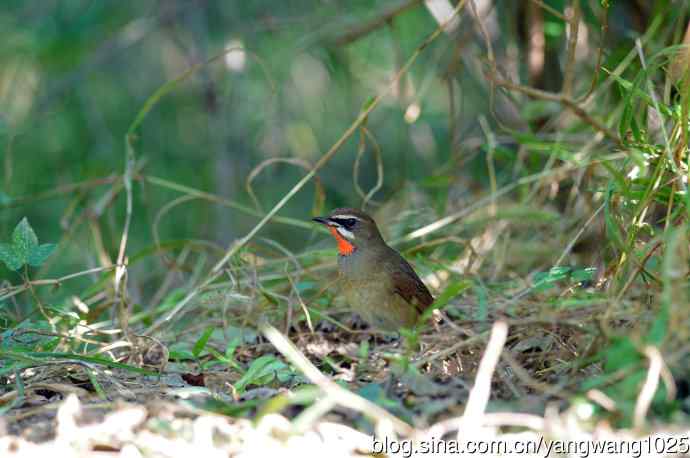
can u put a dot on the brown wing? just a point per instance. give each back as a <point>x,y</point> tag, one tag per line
<point>410,287</point>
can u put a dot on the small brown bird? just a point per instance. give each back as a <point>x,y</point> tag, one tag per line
<point>376,281</point>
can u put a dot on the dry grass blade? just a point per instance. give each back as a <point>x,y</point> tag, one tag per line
<point>651,383</point>
<point>376,149</point>
<point>480,393</point>
<point>6,293</point>
<point>298,162</point>
<point>222,201</point>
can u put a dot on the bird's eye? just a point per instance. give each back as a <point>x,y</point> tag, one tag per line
<point>350,222</point>
<point>347,223</point>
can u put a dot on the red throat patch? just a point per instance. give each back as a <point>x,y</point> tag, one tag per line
<point>344,247</point>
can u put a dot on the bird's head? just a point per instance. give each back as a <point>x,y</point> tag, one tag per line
<point>353,229</point>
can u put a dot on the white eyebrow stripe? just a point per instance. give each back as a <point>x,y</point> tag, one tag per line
<point>336,217</point>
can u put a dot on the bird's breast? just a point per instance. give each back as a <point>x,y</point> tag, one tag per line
<point>350,266</point>
<point>369,292</point>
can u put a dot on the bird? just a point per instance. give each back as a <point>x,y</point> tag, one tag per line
<point>376,281</point>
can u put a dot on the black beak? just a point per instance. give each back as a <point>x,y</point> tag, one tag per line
<point>326,221</point>
<point>322,220</point>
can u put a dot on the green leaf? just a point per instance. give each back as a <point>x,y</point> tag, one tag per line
<point>586,274</point>
<point>24,240</point>
<point>40,253</point>
<point>232,346</point>
<point>24,248</point>
<point>225,359</point>
<point>621,353</point>
<point>260,368</point>
<point>8,256</point>
<point>452,290</point>
<point>201,343</point>
<point>546,280</point>
<point>181,355</point>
